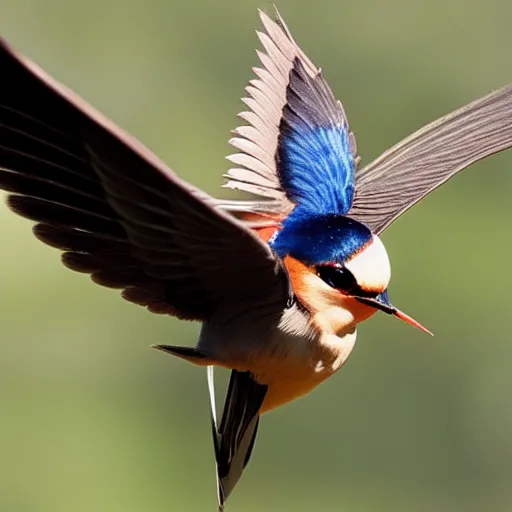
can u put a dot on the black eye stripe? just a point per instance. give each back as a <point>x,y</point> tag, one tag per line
<point>340,278</point>
<point>337,277</point>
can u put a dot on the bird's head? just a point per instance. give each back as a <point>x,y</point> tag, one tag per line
<point>338,268</point>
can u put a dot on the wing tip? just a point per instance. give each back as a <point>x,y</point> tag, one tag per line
<point>8,49</point>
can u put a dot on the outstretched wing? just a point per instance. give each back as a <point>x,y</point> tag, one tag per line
<point>411,169</point>
<point>296,147</point>
<point>116,210</point>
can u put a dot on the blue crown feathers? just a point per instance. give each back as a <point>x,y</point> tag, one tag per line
<point>320,239</point>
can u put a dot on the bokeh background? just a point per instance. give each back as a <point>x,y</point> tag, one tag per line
<point>92,419</point>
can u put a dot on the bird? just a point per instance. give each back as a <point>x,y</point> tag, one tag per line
<point>279,280</point>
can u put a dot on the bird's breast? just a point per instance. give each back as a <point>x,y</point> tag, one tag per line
<point>290,355</point>
<point>293,367</point>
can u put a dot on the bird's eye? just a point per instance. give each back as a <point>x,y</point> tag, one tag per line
<point>337,277</point>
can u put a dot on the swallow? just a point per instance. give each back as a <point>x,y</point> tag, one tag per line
<point>279,281</point>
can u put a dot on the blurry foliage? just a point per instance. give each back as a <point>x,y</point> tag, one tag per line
<point>93,420</point>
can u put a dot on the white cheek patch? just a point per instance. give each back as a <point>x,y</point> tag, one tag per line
<point>371,266</point>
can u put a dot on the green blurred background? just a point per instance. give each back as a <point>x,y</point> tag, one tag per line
<point>92,419</point>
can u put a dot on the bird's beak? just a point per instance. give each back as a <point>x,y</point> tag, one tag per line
<point>383,303</point>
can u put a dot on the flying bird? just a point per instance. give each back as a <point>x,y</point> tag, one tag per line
<point>279,281</point>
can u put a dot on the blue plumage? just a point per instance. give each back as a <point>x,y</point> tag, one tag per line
<point>317,167</point>
<point>315,158</point>
<point>320,239</point>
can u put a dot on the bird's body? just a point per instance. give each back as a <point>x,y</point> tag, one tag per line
<point>280,282</point>
<point>286,353</point>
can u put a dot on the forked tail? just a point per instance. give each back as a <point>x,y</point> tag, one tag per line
<point>235,436</point>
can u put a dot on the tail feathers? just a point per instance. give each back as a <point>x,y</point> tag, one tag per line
<point>235,437</point>
<point>192,355</point>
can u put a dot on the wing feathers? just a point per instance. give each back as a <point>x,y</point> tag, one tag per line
<point>116,210</point>
<point>414,167</point>
<point>315,160</point>
<point>257,166</point>
<point>268,99</point>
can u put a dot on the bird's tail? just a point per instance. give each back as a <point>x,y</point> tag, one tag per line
<point>235,436</point>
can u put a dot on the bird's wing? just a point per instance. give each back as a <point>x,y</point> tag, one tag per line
<point>296,148</point>
<point>116,210</point>
<point>411,169</point>
<point>235,436</point>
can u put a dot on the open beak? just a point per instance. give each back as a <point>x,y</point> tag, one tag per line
<point>383,303</point>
